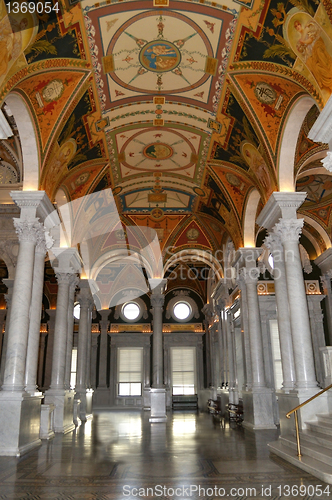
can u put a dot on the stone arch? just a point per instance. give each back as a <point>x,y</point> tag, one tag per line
<point>195,255</point>
<point>249,239</point>
<point>29,142</point>
<point>293,124</point>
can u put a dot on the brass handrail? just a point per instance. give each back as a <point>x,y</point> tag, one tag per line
<point>296,420</point>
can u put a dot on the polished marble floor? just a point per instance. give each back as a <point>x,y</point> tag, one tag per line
<point>120,455</point>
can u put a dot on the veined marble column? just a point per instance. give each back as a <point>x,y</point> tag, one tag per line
<point>19,318</point>
<point>49,348</point>
<point>157,302</point>
<point>273,242</point>
<point>35,314</point>
<point>158,391</point>
<point>88,351</point>
<point>61,330</point>
<point>255,331</point>
<point>18,407</point>
<point>68,264</point>
<point>324,261</point>
<point>102,393</point>
<point>245,332</point>
<point>8,297</point>
<point>219,309</point>
<point>258,403</point>
<point>85,301</point>
<point>233,393</point>
<point>104,323</point>
<point>41,359</point>
<point>94,347</point>
<point>69,348</point>
<point>326,284</point>
<point>289,231</point>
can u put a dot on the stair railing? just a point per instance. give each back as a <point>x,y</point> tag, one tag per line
<point>288,415</point>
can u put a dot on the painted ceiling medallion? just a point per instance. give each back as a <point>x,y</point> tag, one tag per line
<point>178,63</point>
<point>158,151</point>
<point>160,56</point>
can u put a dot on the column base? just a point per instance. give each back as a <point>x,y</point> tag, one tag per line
<point>158,405</point>
<point>287,402</point>
<point>85,408</point>
<point>47,421</point>
<point>20,417</point>
<point>258,409</point>
<point>64,409</point>
<point>101,397</point>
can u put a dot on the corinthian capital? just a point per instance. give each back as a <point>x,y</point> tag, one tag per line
<point>289,229</point>
<point>63,278</point>
<point>273,242</point>
<point>249,276</point>
<point>157,300</point>
<point>27,230</point>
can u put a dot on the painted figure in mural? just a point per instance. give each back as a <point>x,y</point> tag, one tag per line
<point>312,48</point>
<point>160,56</point>
<point>10,41</point>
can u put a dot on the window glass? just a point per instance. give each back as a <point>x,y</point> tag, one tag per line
<point>182,310</point>
<point>131,311</point>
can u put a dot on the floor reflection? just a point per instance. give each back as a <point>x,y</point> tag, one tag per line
<point>118,449</point>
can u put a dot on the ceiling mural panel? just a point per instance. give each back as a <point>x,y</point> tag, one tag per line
<point>179,108</point>
<point>49,94</point>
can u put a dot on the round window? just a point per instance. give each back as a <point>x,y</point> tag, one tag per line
<point>182,310</point>
<point>77,310</point>
<point>131,311</point>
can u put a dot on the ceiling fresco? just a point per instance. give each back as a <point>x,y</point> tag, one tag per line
<point>178,106</point>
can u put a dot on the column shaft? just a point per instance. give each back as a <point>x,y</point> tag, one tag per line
<point>60,332</point>
<point>102,381</point>
<point>20,313</point>
<point>289,231</point>
<point>255,332</point>
<point>157,302</point>
<point>35,317</point>
<point>71,319</point>
<point>284,326</point>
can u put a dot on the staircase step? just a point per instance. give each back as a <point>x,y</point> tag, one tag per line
<point>311,465</point>
<point>325,418</point>
<point>310,449</point>
<point>322,429</point>
<point>317,438</point>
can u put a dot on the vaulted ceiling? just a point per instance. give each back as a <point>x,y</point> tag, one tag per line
<point>179,107</point>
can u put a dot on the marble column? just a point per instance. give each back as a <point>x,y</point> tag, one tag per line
<point>233,393</point>
<point>69,348</point>
<point>289,231</point>
<point>245,332</point>
<point>94,349</point>
<point>16,405</point>
<point>3,313</point>
<point>68,264</point>
<point>104,324</point>
<point>326,284</point>
<point>35,315</point>
<point>41,359</point>
<point>273,242</point>
<point>19,319</point>
<point>258,403</point>
<point>49,348</point>
<point>8,297</point>
<point>102,392</point>
<point>158,391</point>
<point>85,301</point>
<point>324,261</point>
<point>219,310</point>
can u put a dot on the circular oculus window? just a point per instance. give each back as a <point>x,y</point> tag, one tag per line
<point>131,311</point>
<point>182,311</point>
